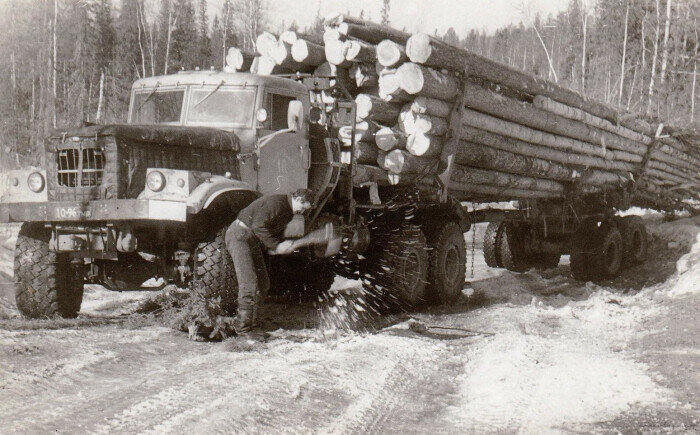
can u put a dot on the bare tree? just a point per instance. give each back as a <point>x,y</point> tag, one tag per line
<point>654,60</point>
<point>664,53</point>
<point>624,54</point>
<point>252,17</point>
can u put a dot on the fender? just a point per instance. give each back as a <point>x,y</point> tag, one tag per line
<point>216,185</point>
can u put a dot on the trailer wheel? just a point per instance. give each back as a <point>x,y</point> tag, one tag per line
<point>448,264</point>
<point>635,240</point>
<point>607,261</point>
<point>597,252</point>
<point>492,241</point>
<point>46,284</point>
<point>214,271</point>
<point>512,249</point>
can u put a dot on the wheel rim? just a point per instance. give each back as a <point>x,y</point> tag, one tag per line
<point>451,265</point>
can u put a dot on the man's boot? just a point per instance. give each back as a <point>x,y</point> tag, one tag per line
<point>244,320</point>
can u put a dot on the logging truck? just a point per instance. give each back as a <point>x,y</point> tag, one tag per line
<point>119,204</point>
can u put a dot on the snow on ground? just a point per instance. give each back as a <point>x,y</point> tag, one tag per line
<point>528,353</point>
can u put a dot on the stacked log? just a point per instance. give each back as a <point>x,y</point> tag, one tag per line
<point>425,109</point>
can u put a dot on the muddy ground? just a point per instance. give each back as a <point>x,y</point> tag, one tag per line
<point>533,352</point>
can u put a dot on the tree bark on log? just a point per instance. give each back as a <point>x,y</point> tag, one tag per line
<point>388,139</point>
<point>376,109</point>
<point>390,89</point>
<point>390,54</point>
<point>402,162</point>
<point>664,152</point>
<point>239,60</point>
<point>368,31</point>
<point>431,106</point>
<point>365,75</point>
<point>471,154</point>
<point>265,43</point>
<point>358,51</point>
<point>423,49</point>
<point>517,131</point>
<point>477,98</point>
<point>423,145</point>
<point>366,153</point>
<point>466,192</point>
<point>419,80</point>
<point>290,37</point>
<point>482,137</point>
<point>468,175</point>
<point>308,53</point>
<point>370,174</point>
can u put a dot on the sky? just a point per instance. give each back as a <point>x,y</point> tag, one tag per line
<point>420,15</point>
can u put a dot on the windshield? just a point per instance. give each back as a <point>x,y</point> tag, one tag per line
<point>219,105</point>
<point>157,106</point>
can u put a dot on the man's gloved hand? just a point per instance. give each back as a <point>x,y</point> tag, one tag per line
<point>283,248</point>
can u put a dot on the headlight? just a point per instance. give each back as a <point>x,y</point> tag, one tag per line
<point>35,181</point>
<point>155,181</point>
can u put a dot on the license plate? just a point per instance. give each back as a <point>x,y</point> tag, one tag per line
<point>72,213</point>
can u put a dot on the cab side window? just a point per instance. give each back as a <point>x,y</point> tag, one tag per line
<point>278,105</point>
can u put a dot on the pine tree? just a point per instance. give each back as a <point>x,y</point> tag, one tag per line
<point>204,40</point>
<point>386,6</point>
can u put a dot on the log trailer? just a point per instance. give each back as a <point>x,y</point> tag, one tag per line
<point>118,204</point>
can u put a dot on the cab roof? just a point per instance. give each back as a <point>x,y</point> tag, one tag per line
<point>216,77</point>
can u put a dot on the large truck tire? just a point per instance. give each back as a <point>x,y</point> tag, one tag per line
<point>46,284</point>
<point>512,249</point>
<point>214,271</point>
<point>492,241</point>
<point>397,262</point>
<point>597,252</point>
<point>448,264</point>
<point>635,240</point>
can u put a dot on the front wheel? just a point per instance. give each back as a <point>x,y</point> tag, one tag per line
<point>214,272</point>
<point>46,283</point>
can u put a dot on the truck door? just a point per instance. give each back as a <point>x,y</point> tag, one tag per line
<point>284,157</point>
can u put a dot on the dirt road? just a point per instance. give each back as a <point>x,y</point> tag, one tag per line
<point>525,353</point>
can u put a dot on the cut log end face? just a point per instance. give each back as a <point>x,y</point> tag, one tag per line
<point>418,48</point>
<point>266,65</point>
<point>279,52</point>
<point>234,58</point>
<point>265,42</point>
<point>410,78</point>
<point>331,35</point>
<point>388,53</point>
<point>289,36</point>
<point>335,52</point>
<point>300,50</point>
<point>364,106</point>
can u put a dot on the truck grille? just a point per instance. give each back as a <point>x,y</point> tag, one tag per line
<point>80,167</point>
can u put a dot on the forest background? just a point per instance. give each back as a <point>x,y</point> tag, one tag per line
<point>65,62</point>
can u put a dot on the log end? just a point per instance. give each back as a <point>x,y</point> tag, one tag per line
<point>410,78</point>
<point>418,48</point>
<point>300,50</point>
<point>335,52</point>
<point>388,53</point>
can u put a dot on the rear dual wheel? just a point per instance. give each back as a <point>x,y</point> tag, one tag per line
<point>597,252</point>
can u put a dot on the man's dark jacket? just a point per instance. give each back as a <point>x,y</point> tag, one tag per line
<point>268,217</point>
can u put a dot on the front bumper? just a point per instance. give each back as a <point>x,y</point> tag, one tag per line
<point>92,211</point>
